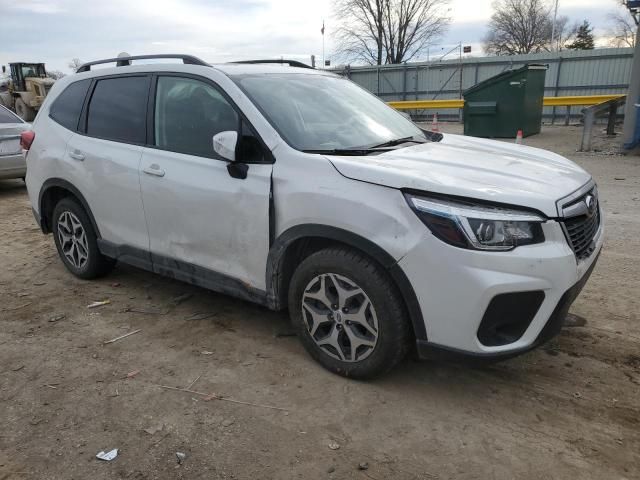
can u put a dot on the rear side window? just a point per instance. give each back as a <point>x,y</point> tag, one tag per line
<point>7,117</point>
<point>118,109</point>
<point>67,107</point>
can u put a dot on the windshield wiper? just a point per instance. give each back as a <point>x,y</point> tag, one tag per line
<point>398,141</point>
<point>348,151</point>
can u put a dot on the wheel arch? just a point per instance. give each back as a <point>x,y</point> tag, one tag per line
<point>300,241</point>
<point>53,190</point>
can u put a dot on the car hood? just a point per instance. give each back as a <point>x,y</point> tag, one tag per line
<point>474,168</point>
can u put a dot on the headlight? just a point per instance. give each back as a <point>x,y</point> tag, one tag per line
<point>477,226</point>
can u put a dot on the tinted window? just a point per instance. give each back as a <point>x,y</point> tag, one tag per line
<point>7,117</point>
<point>188,114</point>
<point>118,109</point>
<point>67,107</point>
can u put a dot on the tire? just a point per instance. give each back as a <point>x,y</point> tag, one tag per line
<point>76,241</point>
<point>337,338</point>
<point>24,111</point>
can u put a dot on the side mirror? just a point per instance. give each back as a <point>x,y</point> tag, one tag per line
<point>224,144</point>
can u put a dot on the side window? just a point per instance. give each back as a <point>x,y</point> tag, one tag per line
<point>7,117</point>
<point>67,107</point>
<point>188,113</point>
<point>118,109</point>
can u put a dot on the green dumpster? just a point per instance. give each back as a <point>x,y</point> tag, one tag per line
<point>500,106</point>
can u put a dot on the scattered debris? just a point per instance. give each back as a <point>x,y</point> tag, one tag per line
<point>57,318</point>
<point>577,395</point>
<point>206,352</point>
<point>115,285</point>
<point>334,445</point>
<point>99,304</point>
<point>181,298</point>
<point>132,374</point>
<point>573,320</point>
<point>619,178</point>
<point>225,399</point>
<point>39,284</point>
<point>201,316</point>
<point>363,466</point>
<point>11,309</point>
<point>181,457</point>
<point>51,385</point>
<point>17,369</point>
<point>228,422</point>
<point>154,429</point>
<point>122,336</point>
<point>331,469</point>
<point>107,456</point>
<point>193,383</point>
<point>146,311</point>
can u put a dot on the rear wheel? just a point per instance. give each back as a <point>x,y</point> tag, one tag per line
<point>76,241</point>
<point>348,313</point>
<point>24,111</point>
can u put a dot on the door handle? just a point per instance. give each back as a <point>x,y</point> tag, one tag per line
<point>77,155</point>
<point>154,169</point>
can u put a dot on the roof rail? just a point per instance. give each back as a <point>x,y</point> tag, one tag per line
<point>291,63</point>
<point>123,61</point>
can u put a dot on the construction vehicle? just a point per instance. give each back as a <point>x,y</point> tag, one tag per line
<point>25,90</point>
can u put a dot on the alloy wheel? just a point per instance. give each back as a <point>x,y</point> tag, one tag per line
<point>340,317</point>
<point>73,239</point>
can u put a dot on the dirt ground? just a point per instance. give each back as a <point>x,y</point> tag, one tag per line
<point>568,410</point>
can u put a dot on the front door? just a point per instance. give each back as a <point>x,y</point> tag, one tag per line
<point>204,225</point>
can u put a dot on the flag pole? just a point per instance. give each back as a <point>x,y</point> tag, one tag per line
<point>323,64</point>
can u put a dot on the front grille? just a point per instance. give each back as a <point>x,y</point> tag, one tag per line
<point>582,228</point>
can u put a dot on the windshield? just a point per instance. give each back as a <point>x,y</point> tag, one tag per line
<point>319,112</point>
<point>33,70</point>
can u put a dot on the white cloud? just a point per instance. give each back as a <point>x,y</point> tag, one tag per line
<point>216,30</point>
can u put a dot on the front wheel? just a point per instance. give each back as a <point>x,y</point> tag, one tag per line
<point>348,313</point>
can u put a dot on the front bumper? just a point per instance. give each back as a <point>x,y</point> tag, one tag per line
<point>455,288</point>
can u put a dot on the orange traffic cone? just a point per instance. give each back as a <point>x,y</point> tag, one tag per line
<point>519,137</point>
<point>434,123</point>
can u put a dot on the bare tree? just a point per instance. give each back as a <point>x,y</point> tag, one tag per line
<point>387,31</point>
<point>622,30</point>
<point>563,33</point>
<point>75,63</point>
<point>55,74</point>
<point>519,26</point>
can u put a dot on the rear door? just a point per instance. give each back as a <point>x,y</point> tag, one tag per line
<point>104,158</point>
<point>205,226</point>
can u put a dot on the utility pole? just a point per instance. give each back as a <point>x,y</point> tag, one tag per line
<point>553,27</point>
<point>631,109</point>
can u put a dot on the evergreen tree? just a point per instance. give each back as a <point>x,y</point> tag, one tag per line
<point>583,38</point>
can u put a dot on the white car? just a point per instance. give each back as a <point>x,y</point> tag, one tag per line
<point>12,163</point>
<point>295,188</point>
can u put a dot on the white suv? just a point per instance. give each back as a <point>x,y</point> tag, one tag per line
<point>295,188</point>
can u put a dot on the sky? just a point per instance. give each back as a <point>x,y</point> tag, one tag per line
<point>55,31</point>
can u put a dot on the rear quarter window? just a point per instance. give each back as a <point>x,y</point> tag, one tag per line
<point>118,109</point>
<point>66,109</point>
<point>7,117</point>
